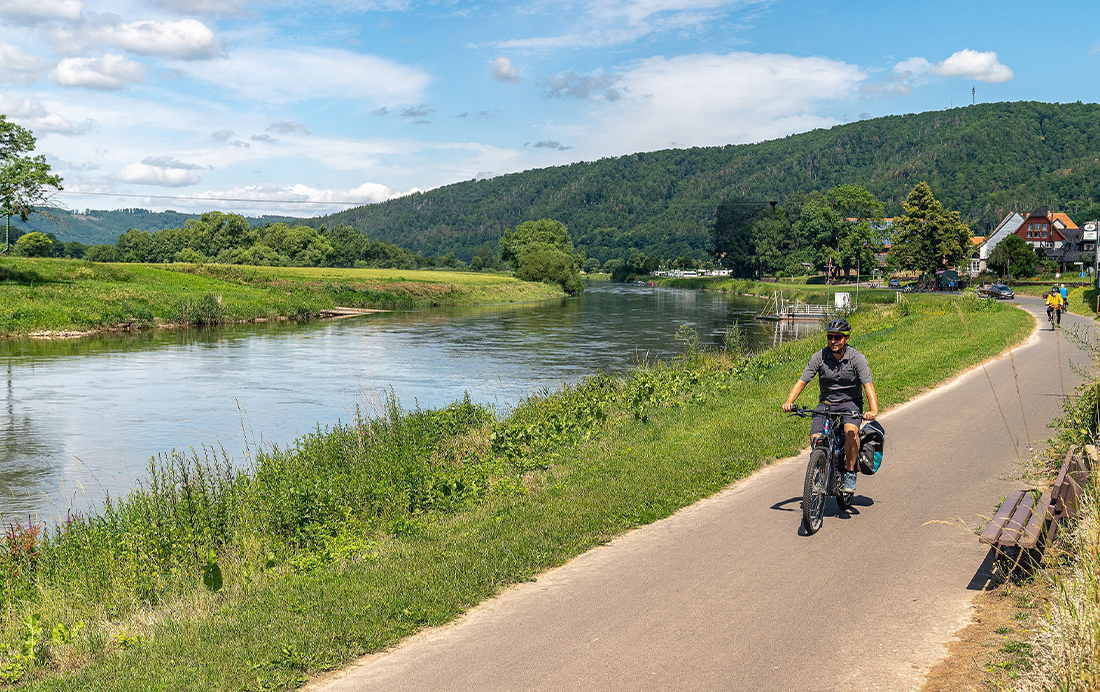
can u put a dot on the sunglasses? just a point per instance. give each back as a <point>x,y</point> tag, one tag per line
<point>836,337</point>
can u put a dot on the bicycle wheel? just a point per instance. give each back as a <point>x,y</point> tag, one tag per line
<point>813,492</point>
<point>844,500</point>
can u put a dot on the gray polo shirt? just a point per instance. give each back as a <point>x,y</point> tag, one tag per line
<point>841,380</point>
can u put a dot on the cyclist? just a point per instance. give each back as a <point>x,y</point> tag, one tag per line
<point>844,376</point>
<point>1055,305</point>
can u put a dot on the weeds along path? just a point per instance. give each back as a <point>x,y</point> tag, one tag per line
<point>363,536</point>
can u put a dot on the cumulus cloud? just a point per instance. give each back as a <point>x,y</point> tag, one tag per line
<point>582,86</point>
<point>281,75</point>
<point>222,135</point>
<point>287,127</point>
<point>502,70</point>
<point>550,144</point>
<point>185,39</point>
<point>34,11</point>
<point>381,112</point>
<point>161,171</point>
<point>914,72</point>
<point>263,138</point>
<point>108,73</point>
<point>712,99</point>
<point>971,64</point>
<point>33,115</point>
<point>215,7</point>
<point>18,67</point>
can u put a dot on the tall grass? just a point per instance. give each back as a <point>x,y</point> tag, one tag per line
<point>56,295</point>
<point>1068,646</point>
<point>205,577</point>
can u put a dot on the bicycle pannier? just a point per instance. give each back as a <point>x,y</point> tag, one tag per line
<point>872,438</point>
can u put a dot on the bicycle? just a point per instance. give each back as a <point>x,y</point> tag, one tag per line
<point>1051,313</point>
<point>825,472</point>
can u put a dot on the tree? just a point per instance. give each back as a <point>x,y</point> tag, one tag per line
<point>735,234</point>
<point>543,251</point>
<point>859,234</point>
<point>927,237</point>
<point>24,180</point>
<point>1013,257</point>
<point>34,244</point>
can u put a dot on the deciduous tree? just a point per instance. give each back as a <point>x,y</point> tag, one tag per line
<point>25,181</point>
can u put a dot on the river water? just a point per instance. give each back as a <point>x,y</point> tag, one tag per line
<point>81,418</point>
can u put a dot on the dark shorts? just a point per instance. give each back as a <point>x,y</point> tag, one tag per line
<point>819,423</point>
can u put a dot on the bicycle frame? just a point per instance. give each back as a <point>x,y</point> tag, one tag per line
<point>825,473</point>
<point>832,441</point>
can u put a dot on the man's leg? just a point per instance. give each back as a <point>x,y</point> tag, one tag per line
<point>851,445</point>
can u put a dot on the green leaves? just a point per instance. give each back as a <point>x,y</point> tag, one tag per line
<point>212,573</point>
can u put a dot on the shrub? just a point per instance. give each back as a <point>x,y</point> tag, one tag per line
<point>34,244</point>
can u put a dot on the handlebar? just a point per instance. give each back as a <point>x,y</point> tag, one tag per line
<point>803,411</point>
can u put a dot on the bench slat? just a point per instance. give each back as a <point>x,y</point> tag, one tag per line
<point>997,523</point>
<point>1033,531</point>
<point>1011,533</point>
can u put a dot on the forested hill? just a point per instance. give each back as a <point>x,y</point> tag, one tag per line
<point>94,226</point>
<point>983,160</point>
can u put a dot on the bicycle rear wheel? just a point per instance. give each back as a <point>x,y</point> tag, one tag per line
<point>813,492</point>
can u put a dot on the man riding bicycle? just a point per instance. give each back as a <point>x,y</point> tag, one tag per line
<point>844,376</point>
<point>1055,305</point>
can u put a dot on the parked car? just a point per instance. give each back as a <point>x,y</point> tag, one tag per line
<point>894,283</point>
<point>1001,291</point>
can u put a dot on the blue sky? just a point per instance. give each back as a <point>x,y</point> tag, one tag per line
<point>333,101</point>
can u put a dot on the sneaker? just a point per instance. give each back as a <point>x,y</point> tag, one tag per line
<point>849,482</point>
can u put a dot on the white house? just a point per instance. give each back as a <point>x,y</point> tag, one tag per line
<point>1009,225</point>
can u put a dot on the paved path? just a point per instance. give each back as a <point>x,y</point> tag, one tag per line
<point>727,595</point>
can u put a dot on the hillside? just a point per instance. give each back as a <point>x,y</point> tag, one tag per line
<point>983,160</point>
<point>94,226</point>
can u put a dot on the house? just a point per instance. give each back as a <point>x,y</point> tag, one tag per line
<point>1045,230</point>
<point>1079,249</point>
<point>1008,225</point>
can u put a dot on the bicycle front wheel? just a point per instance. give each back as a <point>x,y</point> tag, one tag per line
<point>813,492</point>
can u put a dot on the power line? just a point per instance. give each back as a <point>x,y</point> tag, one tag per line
<point>207,199</point>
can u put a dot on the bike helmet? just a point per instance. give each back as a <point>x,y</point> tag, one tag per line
<point>839,326</point>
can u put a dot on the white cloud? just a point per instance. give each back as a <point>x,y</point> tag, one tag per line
<point>32,11</point>
<point>35,117</point>
<point>502,70</point>
<point>18,67</point>
<point>613,22</point>
<point>971,64</point>
<point>275,75</point>
<point>164,176</point>
<point>216,7</point>
<point>107,73</point>
<point>285,127</point>
<point>713,99</point>
<point>185,39</point>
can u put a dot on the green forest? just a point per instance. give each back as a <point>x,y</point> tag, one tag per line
<point>983,160</point>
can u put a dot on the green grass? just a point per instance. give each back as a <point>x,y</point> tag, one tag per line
<point>361,535</point>
<point>810,293</point>
<point>54,295</point>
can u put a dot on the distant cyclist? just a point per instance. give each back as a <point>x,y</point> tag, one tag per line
<point>844,376</point>
<point>1055,305</point>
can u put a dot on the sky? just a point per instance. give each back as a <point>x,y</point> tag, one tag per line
<point>305,108</point>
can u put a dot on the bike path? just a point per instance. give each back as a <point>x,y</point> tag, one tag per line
<point>729,595</point>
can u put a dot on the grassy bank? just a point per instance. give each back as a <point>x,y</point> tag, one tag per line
<point>55,295</point>
<point>206,579</point>
<point>807,293</point>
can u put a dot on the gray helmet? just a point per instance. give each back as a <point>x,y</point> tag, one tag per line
<point>840,326</point>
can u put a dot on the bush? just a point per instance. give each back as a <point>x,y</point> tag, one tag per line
<point>102,253</point>
<point>34,244</point>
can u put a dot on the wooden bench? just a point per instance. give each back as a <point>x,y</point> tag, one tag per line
<point>1024,522</point>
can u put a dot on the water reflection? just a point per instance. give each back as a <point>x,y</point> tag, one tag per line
<point>82,417</point>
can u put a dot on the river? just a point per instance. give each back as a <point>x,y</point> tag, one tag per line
<point>81,418</point>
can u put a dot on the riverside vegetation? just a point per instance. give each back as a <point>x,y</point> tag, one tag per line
<point>54,295</point>
<point>210,578</point>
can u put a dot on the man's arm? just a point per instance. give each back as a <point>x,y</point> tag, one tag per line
<point>795,391</point>
<point>872,401</point>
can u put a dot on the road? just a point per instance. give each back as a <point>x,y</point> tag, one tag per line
<point>729,595</point>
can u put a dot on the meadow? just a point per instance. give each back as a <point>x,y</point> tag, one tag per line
<point>58,296</point>
<point>205,578</point>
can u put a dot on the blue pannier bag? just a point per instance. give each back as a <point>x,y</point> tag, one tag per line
<point>872,438</point>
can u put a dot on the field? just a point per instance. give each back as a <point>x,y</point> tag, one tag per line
<point>357,536</point>
<point>52,297</point>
